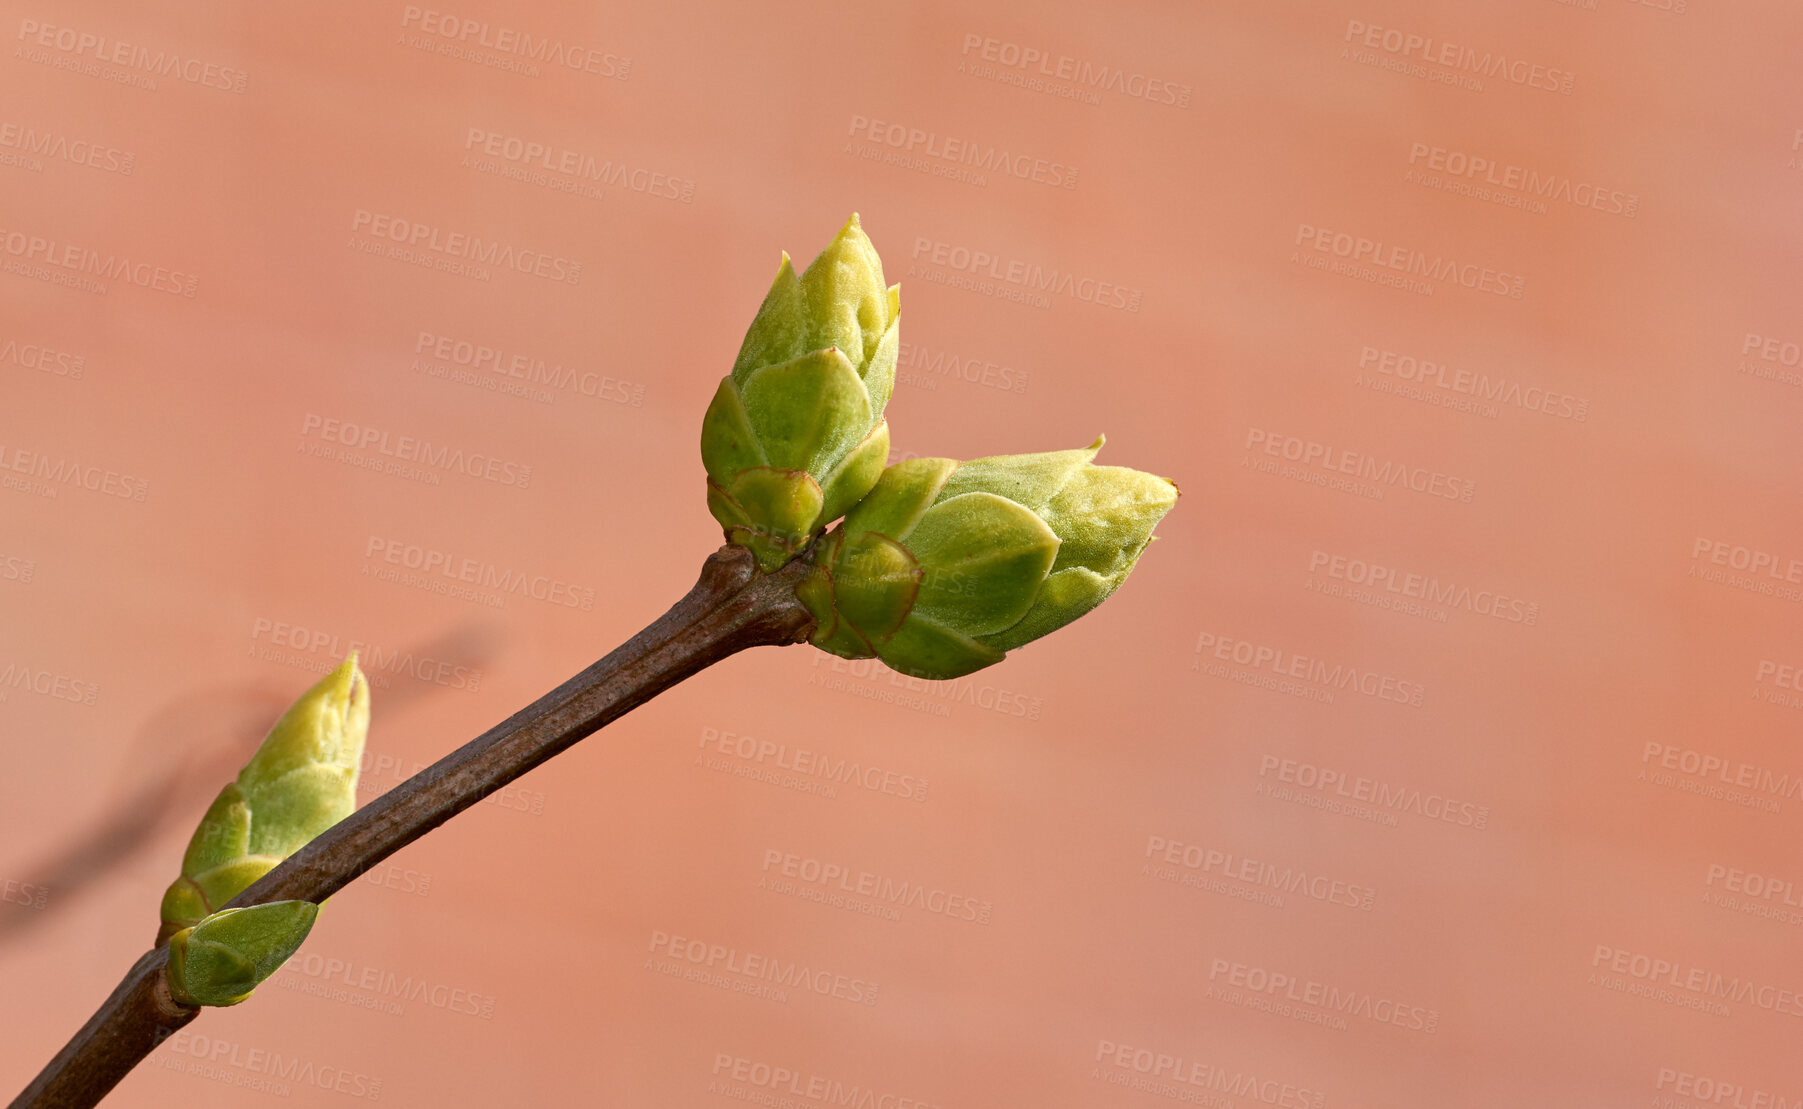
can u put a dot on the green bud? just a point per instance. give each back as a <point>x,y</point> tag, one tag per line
<point>795,434</point>
<point>946,566</point>
<point>223,958</point>
<point>301,781</point>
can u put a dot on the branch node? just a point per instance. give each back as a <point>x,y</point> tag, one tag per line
<point>166,1004</point>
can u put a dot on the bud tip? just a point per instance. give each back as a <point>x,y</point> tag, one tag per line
<point>349,688</point>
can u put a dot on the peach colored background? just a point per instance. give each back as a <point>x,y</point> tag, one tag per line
<point>512,958</point>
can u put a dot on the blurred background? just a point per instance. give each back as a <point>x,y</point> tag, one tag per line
<point>1443,752</point>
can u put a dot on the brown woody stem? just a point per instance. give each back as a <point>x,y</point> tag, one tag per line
<point>732,607</point>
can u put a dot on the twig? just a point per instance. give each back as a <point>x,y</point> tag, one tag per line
<point>731,608</point>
